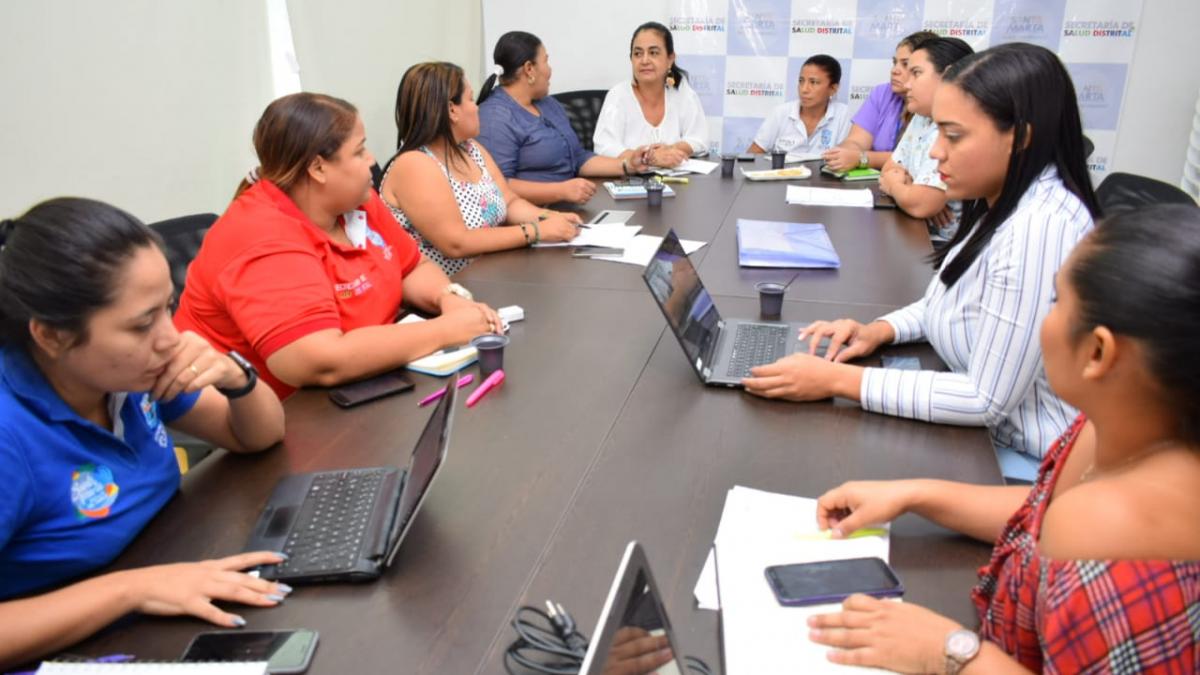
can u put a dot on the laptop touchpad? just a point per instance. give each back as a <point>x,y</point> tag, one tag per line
<point>281,522</point>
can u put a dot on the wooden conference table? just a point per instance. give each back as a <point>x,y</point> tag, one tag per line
<point>601,434</point>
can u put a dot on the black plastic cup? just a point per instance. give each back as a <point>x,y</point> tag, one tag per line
<point>654,193</point>
<point>491,353</point>
<point>777,159</point>
<point>770,299</point>
<point>727,163</point>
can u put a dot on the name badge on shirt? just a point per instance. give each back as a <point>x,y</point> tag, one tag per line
<point>356,227</point>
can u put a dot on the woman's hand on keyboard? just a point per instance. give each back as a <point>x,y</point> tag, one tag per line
<point>191,588</point>
<point>803,377</point>
<point>848,339</point>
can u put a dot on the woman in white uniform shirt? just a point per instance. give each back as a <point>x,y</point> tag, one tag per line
<point>1014,154</point>
<point>814,123</point>
<point>657,113</point>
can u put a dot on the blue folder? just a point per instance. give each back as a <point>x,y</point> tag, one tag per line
<point>765,243</point>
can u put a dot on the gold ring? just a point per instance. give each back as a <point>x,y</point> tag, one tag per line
<point>193,369</point>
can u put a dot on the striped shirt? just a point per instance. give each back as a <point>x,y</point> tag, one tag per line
<point>985,328</point>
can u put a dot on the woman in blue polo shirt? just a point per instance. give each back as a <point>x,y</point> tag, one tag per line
<point>91,369</point>
<point>527,131</point>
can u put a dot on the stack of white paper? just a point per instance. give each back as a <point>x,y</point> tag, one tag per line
<point>640,250</point>
<point>760,529</point>
<point>814,196</point>
<point>614,235</point>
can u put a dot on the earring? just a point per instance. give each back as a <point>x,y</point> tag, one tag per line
<point>670,81</point>
<point>531,79</point>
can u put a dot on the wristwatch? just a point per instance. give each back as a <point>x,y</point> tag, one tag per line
<point>251,377</point>
<point>863,160</point>
<point>961,646</point>
<point>459,290</point>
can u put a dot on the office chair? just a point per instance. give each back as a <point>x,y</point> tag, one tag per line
<point>1125,192</point>
<point>1088,147</point>
<point>583,108</point>
<point>183,237</point>
<point>376,175</point>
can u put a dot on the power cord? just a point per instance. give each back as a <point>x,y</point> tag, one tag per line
<point>550,643</point>
<point>547,642</point>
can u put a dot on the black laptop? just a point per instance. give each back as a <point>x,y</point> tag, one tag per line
<point>633,634</point>
<point>722,351</point>
<point>347,525</point>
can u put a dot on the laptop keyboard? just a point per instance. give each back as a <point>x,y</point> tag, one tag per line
<point>328,534</point>
<point>755,344</point>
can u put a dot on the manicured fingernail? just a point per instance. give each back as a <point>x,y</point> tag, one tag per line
<point>239,621</point>
<point>814,634</point>
<point>283,588</point>
<point>274,597</point>
<point>281,554</point>
<point>837,533</point>
<point>812,620</point>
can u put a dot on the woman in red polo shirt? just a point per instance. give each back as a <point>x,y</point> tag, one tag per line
<point>305,272</point>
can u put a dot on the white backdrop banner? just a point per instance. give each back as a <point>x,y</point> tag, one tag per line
<point>743,56</point>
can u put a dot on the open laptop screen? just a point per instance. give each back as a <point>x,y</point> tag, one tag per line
<point>685,303</point>
<point>427,458</point>
<point>633,636</point>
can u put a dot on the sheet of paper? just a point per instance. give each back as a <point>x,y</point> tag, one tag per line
<point>802,157</point>
<point>759,529</point>
<point>242,668</point>
<point>814,196</point>
<point>615,235</point>
<point>640,250</point>
<point>698,166</point>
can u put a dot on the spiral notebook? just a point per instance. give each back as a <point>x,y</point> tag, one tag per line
<point>242,668</point>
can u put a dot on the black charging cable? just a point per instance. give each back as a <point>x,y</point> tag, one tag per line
<point>550,643</point>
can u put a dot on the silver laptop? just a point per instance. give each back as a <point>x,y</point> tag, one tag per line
<point>633,635</point>
<point>722,351</point>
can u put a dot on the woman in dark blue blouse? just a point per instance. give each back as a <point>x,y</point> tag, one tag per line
<point>528,133</point>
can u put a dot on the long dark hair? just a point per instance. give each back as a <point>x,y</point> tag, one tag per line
<point>296,129</point>
<point>60,262</point>
<point>1138,274</point>
<point>1024,88</point>
<point>422,112</point>
<point>513,50</point>
<point>676,73</point>
<point>944,51</point>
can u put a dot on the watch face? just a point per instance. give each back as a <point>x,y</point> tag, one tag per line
<point>962,643</point>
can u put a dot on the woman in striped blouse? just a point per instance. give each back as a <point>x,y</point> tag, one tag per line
<point>1014,154</point>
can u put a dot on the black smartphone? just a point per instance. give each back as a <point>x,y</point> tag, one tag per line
<point>589,251</point>
<point>285,651</point>
<point>355,393</point>
<point>819,583</point>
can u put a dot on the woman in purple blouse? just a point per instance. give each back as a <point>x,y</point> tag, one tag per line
<point>527,131</point>
<point>879,123</point>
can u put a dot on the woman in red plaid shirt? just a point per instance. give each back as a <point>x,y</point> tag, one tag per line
<point>1097,568</point>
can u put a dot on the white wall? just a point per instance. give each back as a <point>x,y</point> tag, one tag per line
<point>145,104</point>
<point>359,49</point>
<point>1160,95</point>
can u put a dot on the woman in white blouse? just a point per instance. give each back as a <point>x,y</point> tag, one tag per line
<point>1014,155</point>
<point>656,113</point>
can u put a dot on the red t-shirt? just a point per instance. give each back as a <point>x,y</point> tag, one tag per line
<point>267,276</point>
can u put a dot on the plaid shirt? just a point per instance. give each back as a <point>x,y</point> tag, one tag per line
<point>1085,616</point>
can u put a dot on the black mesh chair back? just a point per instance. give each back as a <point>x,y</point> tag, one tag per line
<point>1088,147</point>
<point>583,109</point>
<point>376,175</point>
<point>183,237</point>
<point>1125,192</point>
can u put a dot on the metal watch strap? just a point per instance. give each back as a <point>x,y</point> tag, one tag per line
<point>957,660</point>
<point>251,377</point>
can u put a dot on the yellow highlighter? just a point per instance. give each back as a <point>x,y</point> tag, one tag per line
<point>825,535</point>
<point>675,179</point>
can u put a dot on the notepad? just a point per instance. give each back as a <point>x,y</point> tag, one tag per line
<point>243,668</point>
<point>813,196</point>
<point>640,250</point>
<point>443,362</point>
<point>767,243</point>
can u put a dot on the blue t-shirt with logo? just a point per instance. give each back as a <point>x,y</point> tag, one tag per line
<point>73,495</point>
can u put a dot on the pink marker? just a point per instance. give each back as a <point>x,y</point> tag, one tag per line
<point>494,380</point>
<point>462,382</point>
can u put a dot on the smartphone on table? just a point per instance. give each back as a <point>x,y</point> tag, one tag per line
<point>370,389</point>
<point>285,651</point>
<point>819,583</point>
